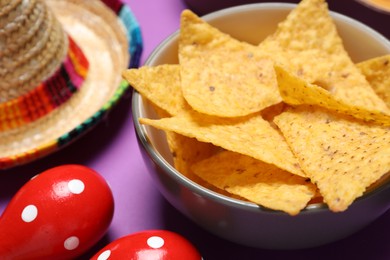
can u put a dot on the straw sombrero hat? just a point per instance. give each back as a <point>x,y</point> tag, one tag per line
<point>60,71</point>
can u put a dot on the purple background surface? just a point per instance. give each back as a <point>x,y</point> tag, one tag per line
<point>111,149</point>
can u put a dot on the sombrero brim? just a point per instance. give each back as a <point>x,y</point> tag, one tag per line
<point>111,41</point>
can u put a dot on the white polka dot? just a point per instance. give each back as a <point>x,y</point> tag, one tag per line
<point>29,213</point>
<point>76,186</point>
<point>105,255</point>
<point>155,242</point>
<point>71,243</point>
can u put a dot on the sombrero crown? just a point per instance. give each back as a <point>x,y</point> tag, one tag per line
<point>60,71</point>
<point>41,66</point>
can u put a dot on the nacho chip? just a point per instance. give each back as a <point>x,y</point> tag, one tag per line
<point>160,85</point>
<point>341,155</point>
<point>222,76</point>
<point>251,135</point>
<point>269,113</point>
<point>307,27</point>
<point>296,91</point>
<point>261,183</point>
<point>224,95</point>
<point>377,73</point>
<point>187,151</point>
<point>307,44</point>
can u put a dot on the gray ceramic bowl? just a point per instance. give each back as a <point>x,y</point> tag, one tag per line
<point>239,221</point>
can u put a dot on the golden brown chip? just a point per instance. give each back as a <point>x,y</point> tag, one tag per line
<point>340,154</point>
<point>296,91</point>
<point>230,131</point>
<point>160,85</point>
<point>307,27</point>
<point>251,135</point>
<point>377,73</point>
<point>261,183</point>
<point>307,44</point>
<point>187,151</point>
<point>270,112</point>
<point>220,75</point>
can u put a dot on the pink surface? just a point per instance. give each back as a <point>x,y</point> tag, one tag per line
<point>111,149</point>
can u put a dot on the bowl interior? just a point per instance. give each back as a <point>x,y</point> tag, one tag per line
<point>250,23</point>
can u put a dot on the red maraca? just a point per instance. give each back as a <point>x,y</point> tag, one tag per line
<point>151,244</point>
<point>59,214</point>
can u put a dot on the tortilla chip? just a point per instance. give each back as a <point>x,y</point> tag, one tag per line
<point>307,44</point>
<point>187,151</point>
<point>225,95</point>
<point>269,113</point>
<point>251,135</point>
<point>222,76</point>
<point>161,85</point>
<point>296,91</point>
<point>341,155</point>
<point>377,73</point>
<point>261,183</point>
<point>307,27</point>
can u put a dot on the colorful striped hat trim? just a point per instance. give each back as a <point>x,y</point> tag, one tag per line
<point>100,84</point>
<point>48,95</point>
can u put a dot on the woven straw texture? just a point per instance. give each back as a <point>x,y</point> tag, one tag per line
<point>104,40</point>
<point>33,46</point>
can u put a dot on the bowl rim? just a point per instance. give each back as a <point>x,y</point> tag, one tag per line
<point>157,158</point>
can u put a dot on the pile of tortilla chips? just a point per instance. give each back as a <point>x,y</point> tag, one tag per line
<point>284,123</point>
